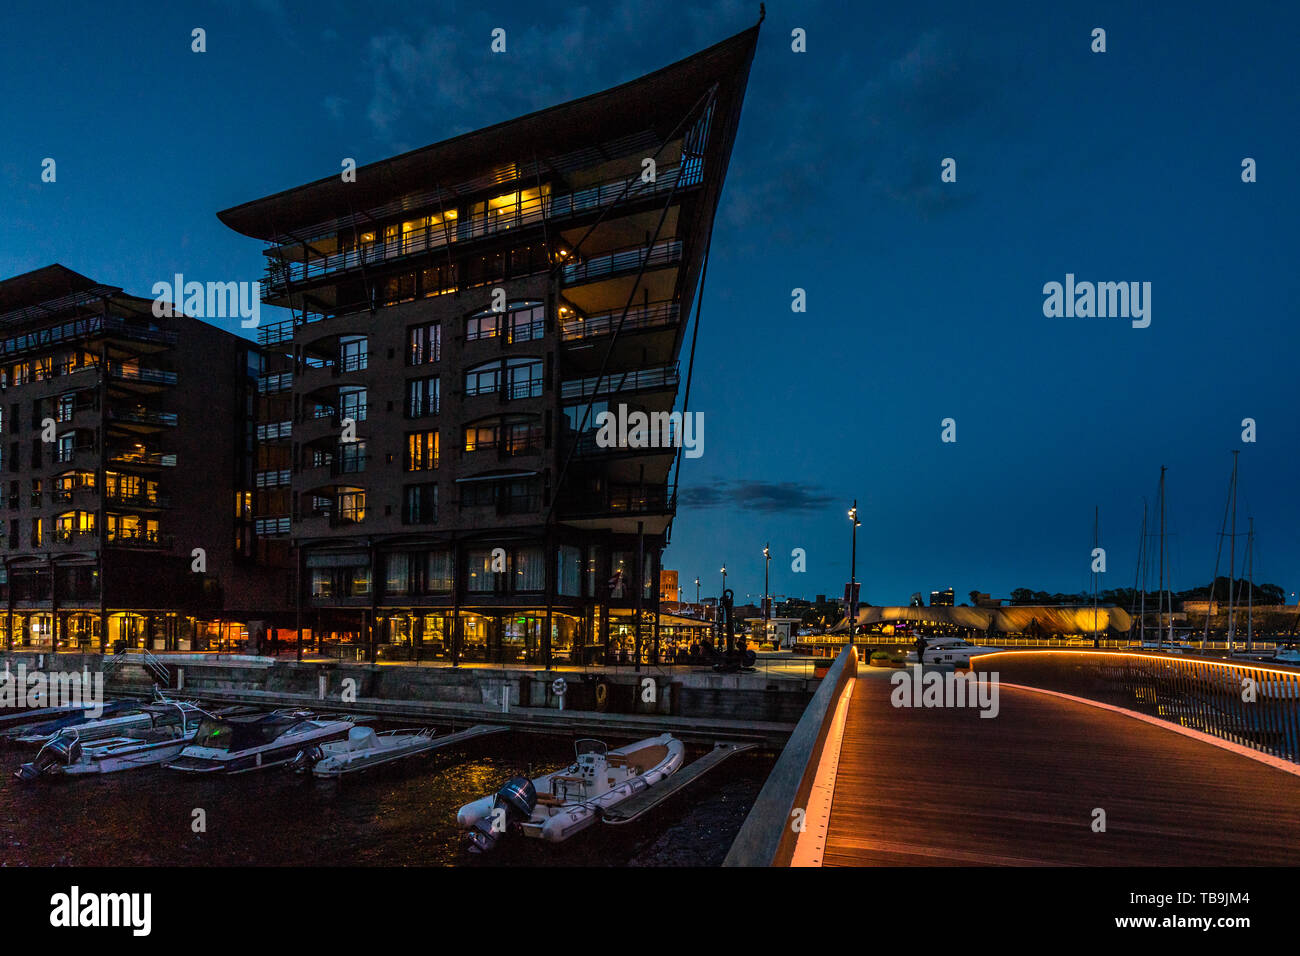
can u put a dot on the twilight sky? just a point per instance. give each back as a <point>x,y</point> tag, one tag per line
<point>925,299</point>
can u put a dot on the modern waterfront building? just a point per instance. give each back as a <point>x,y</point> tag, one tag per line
<point>125,445</point>
<point>461,316</point>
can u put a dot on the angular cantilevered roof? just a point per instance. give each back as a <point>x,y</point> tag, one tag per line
<point>656,102</point>
<point>47,292</point>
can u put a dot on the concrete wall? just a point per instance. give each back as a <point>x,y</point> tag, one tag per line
<point>681,693</point>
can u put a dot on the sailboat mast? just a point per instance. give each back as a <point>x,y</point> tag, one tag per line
<point>1140,585</point>
<point>1160,615</point>
<point>1250,593</point>
<point>1096,543</point>
<point>1232,562</point>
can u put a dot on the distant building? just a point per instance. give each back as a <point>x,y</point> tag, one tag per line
<point>668,586</point>
<point>942,598</point>
<point>127,445</point>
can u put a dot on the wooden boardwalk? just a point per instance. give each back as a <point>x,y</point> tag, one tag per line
<point>943,786</point>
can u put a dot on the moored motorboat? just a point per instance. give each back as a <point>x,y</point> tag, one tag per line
<point>242,744</point>
<point>172,726</point>
<point>362,749</point>
<point>1286,652</point>
<point>951,650</point>
<point>558,805</point>
<point>115,717</point>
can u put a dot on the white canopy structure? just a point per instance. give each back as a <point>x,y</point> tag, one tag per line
<point>1020,619</point>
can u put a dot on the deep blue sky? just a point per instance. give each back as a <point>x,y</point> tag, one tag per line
<point>925,299</point>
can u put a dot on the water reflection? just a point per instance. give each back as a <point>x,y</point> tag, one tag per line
<point>402,815</point>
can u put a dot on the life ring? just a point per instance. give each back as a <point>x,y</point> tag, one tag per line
<point>602,695</point>
<point>559,686</point>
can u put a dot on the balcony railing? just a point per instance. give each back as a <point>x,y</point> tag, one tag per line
<point>71,535</point>
<point>282,272</point>
<point>277,333</point>
<point>1202,694</point>
<point>138,500</point>
<point>137,538</point>
<point>136,373</point>
<point>663,377</point>
<point>623,260</point>
<point>507,447</point>
<point>80,329</point>
<point>645,317</point>
<point>654,499</point>
<point>142,416</point>
<point>155,458</point>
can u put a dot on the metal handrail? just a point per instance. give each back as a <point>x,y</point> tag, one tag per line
<point>1251,704</point>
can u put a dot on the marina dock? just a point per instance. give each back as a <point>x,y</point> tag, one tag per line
<point>643,803</point>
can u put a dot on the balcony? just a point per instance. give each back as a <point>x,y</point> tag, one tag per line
<point>618,500</point>
<point>140,376</point>
<point>620,261</point>
<point>503,450</point>
<point>142,458</point>
<point>635,380</point>
<point>81,329</point>
<point>137,538</point>
<point>81,537</point>
<point>139,415</point>
<point>141,502</point>
<point>657,315</point>
<point>281,274</point>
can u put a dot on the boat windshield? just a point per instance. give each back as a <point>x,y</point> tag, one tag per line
<point>215,734</point>
<point>589,746</point>
<point>240,735</point>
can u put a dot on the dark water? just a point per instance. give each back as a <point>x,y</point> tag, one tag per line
<point>402,815</point>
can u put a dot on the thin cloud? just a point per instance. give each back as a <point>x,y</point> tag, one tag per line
<point>765,496</point>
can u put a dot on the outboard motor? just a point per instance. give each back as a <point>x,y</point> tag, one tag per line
<point>304,760</point>
<point>513,803</point>
<point>64,748</point>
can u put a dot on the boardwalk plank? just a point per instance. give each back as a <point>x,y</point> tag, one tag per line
<point>943,786</point>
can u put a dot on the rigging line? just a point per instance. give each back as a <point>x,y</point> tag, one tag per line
<point>690,365</point>
<point>542,205</point>
<point>577,247</point>
<point>446,242</point>
<point>361,255</point>
<point>609,351</point>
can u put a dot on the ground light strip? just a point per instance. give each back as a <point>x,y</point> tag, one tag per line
<point>810,845</point>
<point>1277,762</point>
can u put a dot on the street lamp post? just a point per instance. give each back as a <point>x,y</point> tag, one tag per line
<point>767,564</point>
<point>718,614</point>
<point>697,592</point>
<point>853,573</point>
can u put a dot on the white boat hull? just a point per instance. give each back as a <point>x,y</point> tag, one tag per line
<point>557,823</point>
